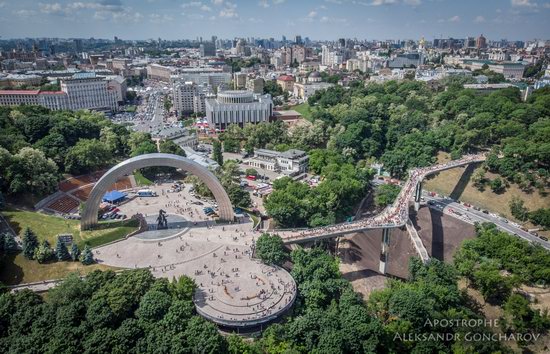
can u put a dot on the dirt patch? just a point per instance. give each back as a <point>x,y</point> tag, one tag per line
<point>360,259</point>
<point>441,234</point>
<point>457,181</point>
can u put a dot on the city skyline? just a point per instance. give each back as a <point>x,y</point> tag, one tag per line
<point>321,19</point>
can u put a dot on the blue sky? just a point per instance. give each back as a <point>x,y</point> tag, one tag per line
<point>317,19</point>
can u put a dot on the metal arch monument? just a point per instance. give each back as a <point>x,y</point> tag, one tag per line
<point>89,214</point>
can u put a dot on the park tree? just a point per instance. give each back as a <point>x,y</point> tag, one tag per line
<point>386,194</point>
<point>540,216</point>
<point>113,140</point>
<point>251,172</point>
<point>153,306</point>
<point>31,172</point>
<point>478,179</point>
<point>518,209</point>
<point>87,256</point>
<point>231,145</point>
<point>183,288</point>
<point>136,139</point>
<point>146,147</point>
<point>203,336</point>
<point>217,152</point>
<point>86,156</point>
<point>238,196</point>
<point>179,313</point>
<point>10,245</point>
<point>61,251</point>
<point>30,243</point>
<point>492,285</point>
<point>75,252</point>
<point>270,249</point>
<point>44,253</point>
<point>169,147</point>
<point>497,185</point>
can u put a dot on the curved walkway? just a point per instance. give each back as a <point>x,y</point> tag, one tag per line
<point>395,215</point>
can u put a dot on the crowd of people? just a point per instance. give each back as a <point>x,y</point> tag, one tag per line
<point>394,215</point>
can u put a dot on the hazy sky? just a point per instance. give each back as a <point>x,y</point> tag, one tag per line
<point>317,19</point>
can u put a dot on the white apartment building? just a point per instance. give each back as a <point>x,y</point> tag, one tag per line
<point>189,97</point>
<point>237,107</point>
<point>357,64</point>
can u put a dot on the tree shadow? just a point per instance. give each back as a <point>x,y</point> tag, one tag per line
<point>360,274</point>
<point>10,273</point>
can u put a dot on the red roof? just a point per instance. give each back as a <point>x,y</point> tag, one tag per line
<point>51,92</point>
<point>19,92</point>
<point>285,78</point>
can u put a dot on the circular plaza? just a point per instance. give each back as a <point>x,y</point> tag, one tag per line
<point>234,290</point>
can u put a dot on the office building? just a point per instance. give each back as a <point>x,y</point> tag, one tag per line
<point>204,76</point>
<point>406,60</point>
<point>208,49</point>
<point>88,91</point>
<point>81,91</point>
<point>238,107</point>
<point>159,72</point>
<point>256,85</point>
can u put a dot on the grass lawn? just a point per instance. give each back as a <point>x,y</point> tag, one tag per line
<point>304,109</point>
<point>47,227</point>
<point>16,269</point>
<point>141,180</point>
<point>448,181</point>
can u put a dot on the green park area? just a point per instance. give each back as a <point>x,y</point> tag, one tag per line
<point>47,227</point>
<point>304,109</point>
<point>141,180</point>
<point>16,269</point>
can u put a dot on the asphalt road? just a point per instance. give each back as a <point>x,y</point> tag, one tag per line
<point>470,215</point>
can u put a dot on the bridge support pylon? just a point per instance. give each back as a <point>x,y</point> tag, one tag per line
<point>417,196</point>
<point>384,250</point>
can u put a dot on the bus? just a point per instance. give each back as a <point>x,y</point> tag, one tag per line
<point>146,193</point>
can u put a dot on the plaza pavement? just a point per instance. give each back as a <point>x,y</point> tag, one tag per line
<point>233,288</point>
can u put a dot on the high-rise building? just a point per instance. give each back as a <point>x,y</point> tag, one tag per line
<point>189,97</point>
<point>239,81</point>
<point>298,40</point>
<point>77,44</point>
<point>255,85</point>
<point>208,49</point>
<point>481,42</point>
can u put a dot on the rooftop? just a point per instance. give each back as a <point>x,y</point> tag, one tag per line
<point>84,75</point>
<point>285,78</point>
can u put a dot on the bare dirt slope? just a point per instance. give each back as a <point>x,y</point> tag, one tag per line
<point>440,233</point>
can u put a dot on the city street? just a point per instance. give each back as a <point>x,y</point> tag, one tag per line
<point>470,215</point>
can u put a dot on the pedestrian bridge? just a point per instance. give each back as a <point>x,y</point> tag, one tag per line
<point>395,215</point>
